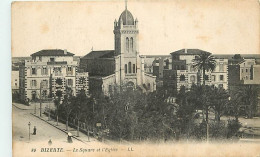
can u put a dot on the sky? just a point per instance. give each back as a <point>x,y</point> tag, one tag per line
<point>165,26</point>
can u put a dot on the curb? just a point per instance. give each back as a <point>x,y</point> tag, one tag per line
<point>59,128</point>
<point>20,107</point>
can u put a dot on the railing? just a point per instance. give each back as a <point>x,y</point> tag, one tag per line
<point>56,63</point>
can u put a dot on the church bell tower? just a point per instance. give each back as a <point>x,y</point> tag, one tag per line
<point>127,48</point>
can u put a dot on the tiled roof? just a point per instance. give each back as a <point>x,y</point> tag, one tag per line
<point>99,54</point>
<point>52,52</point>
<point>188,52</point>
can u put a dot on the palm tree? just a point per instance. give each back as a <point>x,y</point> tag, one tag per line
<point>205,62</point>
<point>248,95</point>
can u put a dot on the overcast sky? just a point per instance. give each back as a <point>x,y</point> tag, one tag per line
<point>217,26</point>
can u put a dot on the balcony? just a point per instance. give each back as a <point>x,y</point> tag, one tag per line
<point>57,63</point>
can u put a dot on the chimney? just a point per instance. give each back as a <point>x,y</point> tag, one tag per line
<point>65,51</point>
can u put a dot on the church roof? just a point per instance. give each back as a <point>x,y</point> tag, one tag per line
<point>52,52</point>
<point>99,54</point>
<point>127,17</point>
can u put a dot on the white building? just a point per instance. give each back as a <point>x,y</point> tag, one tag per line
<point>50,72</point>
<point>186,75</point>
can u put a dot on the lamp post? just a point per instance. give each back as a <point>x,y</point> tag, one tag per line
<point>29,124</point>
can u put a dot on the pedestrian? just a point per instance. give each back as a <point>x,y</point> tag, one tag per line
<point>34,130</point>
<point>49,142</point>
<point>69,138</point>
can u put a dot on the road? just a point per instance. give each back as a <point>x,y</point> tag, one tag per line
<point>21,118</point>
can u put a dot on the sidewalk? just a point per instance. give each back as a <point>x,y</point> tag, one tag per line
<point>22,106</point>
<point>82,137</point>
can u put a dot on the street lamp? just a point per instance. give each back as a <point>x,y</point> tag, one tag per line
<point>29,124</point>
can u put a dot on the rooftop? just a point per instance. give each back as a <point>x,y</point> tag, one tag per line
<point>99,54</point>
<point>188,52</point>
<point>52,52</point>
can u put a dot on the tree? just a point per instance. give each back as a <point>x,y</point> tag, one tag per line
<point>80,107</point>
<point>57,103</point>
<point>248,95</point>
<point>219,99</point>
<point>67,105</point>
<point>205,62</point>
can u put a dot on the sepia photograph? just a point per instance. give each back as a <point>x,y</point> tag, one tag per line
<point>135,78</point>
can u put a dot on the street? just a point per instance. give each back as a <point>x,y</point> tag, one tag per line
<point>45,132</point>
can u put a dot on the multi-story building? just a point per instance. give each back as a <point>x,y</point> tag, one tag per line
<point>49,73</point>
<point>15,81</point>
<point>122,67</point>
<point>184,74</point>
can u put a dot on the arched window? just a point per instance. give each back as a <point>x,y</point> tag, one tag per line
<point>182,78</point>
<point>127,44</point>
<point>133,68</point>
<point>126,68</point>
<point>192,78</point>
<point>131,44</point>
<point>129,67</point>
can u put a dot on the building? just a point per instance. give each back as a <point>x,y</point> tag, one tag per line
<point>15,81</point>
<point>122,67</point>
<point>184,74</point>
<point>48,74</point>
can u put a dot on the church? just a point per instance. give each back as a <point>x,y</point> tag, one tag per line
<point>122,68</point>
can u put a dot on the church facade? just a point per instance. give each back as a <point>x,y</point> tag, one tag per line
<point>123,67</point>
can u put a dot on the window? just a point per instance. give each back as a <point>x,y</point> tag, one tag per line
<point>131,44</point>
<point>246,78</point>
<point>59,81</point>
<point>15,84</point>
<point>57,71</point>
<point>33,83</point>
<point>221,67</point>
<point>82,80</point>
<point>44,94</point>
<point>221,77</point>
<point>45,83</point>
<point>246,70</point>
<point>182,78</point>
<point>192,78</point>
<point>52,59</point>
<point>206,77</point>
<point>127,44</point>
<point>44,71</point>
<point>110,88</point>
<point>34,71</point>
<point>182,67</point>
<point>70,82</point>
<point>59,93</point>
<point>213,78</point>
<point>133,68</point>
<point>192,68</point>
<point>129,67</point>
<point>40,58</point>
<point>69,70</point>
<point>126,68</point>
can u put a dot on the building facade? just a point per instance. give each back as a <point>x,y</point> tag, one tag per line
<point>184,74</point>
<point>122,67</point>
<point>48,74</point>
